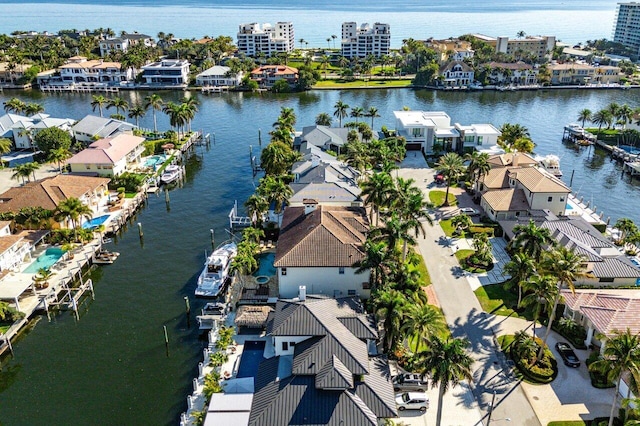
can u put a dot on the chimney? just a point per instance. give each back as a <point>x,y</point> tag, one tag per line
<point>515,161</point>
<point>302,293</point>
<point>310,205</point>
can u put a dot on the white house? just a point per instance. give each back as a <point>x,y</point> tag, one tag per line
<point>423,129</point>
<point>456,74</point>
<point>518,73</point>
<point>318,247</point>
<point>122,43</point>
<point>219,76</point>
<point>268,39</point>
<point>365,40</point>
<point>167,72</point>
<point>80,70</point>
<point>108,156</point>
<point>92,127</point>
<point>14,248</point>
<point>24,131</point>
<point>479,137</point>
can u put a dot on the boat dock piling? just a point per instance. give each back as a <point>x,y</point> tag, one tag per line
<point>235,221</point>
<point>576,134</point>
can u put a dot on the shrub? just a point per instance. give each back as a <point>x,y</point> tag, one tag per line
<point>129,181</point>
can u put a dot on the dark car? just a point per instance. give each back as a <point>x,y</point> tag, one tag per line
<point>568,355</point>
<point>410,382</point>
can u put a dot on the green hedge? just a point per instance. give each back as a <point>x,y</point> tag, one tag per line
<point>545,373</point>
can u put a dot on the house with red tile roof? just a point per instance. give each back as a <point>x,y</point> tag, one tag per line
<point>108,156</point>
<point>318,248</point>
<point>267,75</point>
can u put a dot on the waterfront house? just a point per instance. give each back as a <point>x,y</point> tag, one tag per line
<point>122,43</point>
<point>512,159</point>
<point>92,127</point>
<point>327,138</point>
<point>109,156</point>
<point>328,182</point>
<point>325,369</point>
<point>10,124</point>
<point>518,73</point>
<point>539,48</point>
<point>582,73</point>
<point>10,73</point>
<point>452,49</point>
<point>14,248</point>
<point>267,75</point>
<point>456,74</point>
<point>219,76</point>
<point>318,248</point>
<point>49,192</point>
<point>166,73</point>
<point>80,70</point>
<point>25,130</point>
<point>478,137</point>
<point>512,192</point>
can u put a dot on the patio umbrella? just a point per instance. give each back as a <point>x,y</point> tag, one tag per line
<point>168,146</point>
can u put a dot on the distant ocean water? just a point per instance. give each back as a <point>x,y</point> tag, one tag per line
<point>314,21</point>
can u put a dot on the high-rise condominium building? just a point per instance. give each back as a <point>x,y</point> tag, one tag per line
<point>268,39</point>
<point>627,25</point>
<point>365,40</point>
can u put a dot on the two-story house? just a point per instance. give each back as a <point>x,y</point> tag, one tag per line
<point>167,72</point>
<point>267,75</point>
<point>518,73</point>
<point>582,73</point>
<point>92,127</point>
<point>108,156</point>
<point>80,70</point>
<point>456,74</point>
<point>318,247</point>
<point>219,76</point>
<point>478,137</point>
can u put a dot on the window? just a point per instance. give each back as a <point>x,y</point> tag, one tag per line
<point>550,199</point>
<point>479,140</point>
<point>351,292</point>
<point>416,132</point>
<point>366,285</point>
<point>606,280</point>
<point>285,346</point>
<point>283,271</point>
<point>561,198</point>
<point>341,270</point>
<point>292,343</point>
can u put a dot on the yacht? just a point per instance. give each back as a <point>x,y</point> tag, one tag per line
<point>550,163</point>
<point>170,174</point>
<point>215,273</point>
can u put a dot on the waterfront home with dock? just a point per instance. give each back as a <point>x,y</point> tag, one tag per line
<point>92,127</point>
<point>109,156</point>
<point>328,182</point>
<point>169,73</point>
<point>219,76</point>
<point>318,248</point>
<point>267,75</point>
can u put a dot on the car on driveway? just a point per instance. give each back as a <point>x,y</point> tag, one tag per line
<point>410,382</point>
<point>412,401</point>
<point>469,211</point>
<point>568,355</point>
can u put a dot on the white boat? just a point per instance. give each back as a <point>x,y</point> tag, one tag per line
<point>104,257</point>
<point>551,163</point>
<point>212,312</point>
<point>170,174</point>
<point>216,270</point>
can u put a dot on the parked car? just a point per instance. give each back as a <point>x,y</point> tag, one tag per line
<point>410,382</point>
<point>412,401</point>
<point>469,211</point>
<point>568,355</point>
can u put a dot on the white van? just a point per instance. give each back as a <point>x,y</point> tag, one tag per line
<point>412,401</point>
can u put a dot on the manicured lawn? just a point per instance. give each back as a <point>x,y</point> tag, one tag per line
<point>4,328</point>
<point>422,270</point>
<point>463,254</point>
<point>496,300</point>
<point>437,198</point>
<point>343,84</point>
<point>567,423</point>
<point>446,226</point>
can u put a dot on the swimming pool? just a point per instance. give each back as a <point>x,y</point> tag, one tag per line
<point>630,149</point>
<point>154,160</point>
<point>96,221</point>
<point>265,265</point>
<point>251,358</point>
<point>45,260</point>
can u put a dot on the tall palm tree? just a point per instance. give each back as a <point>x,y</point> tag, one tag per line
<point>375,255</point>
<point>29,169</point>
<point>397,229</point>
<point>256,206</point>
<point>177,115</point>
<point>73,210</point>
<point>155,102</point>
<point>252,234</point>
<point>584,116</point>
<point>566,266</point>
<point>376,192</point>
<point>531,240</point>
<point>19,172</point>
<point>450,165</point>
<point>621,357</point>
<point>372,112</point>
<point>33,108</point>
<point>357,112</point>
<point>422,321</point>
<point>97,102</point>
<point>521,268</point>
<point>276,192</point>
<point>478,165</point>
<point>277,158</point>
<point>14,105</point>
<point>136,112</point>
<point>541,291</point>
<point>447,363</point>
<point>390,306</point>
<point>323,119</point>
<point>59,156</point>
<point>119,104</point>
<point>602,117</point>
<point>189,107</point>
<point>340,111</point>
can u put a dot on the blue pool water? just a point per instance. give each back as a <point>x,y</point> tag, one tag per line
<point>251,358</point>
<point>45,260</point>
<point>265,265</point>
<point>568,207</point>
<point>630,149</point>
<point>95,222</point>
<point>154,160</point>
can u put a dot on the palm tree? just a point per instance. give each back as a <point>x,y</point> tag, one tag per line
<point>189,107</point>
<point>461,222</point>
<point>118,103</point>
<point>450,165</point>
<point>252,234</point>
<point>256,206</point>
<point>29,169</point>
<point>277,192</point>
<point>478,165</point>
<point>541,290</point>
<point>177,115</point>
<point>98,101</point>
<point>5,145</point>
<point>59,155</point>
<point>621,358</point>
<point>584,116</point>
<point>33,108</point>
<point>19,172</point>
<point>72,209</point>
<point>602,117</point>
<point>373,113</point>
<point>566,266</point>
<point>340,111</point>
<point>422,321</point>
<point>531,240</point>
<point>323,119</point>
<point>376,192</point>
<point>521,268</point>
<point>357,112</point>
<point>375,254</point>
<point>14,105</point>
<point>277,158</point>
<point>390,306</point>
<point>397,229</point>
<point>136,112</point>
<point>324,64</point>
<point>626,227</point>
<point>447,363</point>
<point>156,103</point>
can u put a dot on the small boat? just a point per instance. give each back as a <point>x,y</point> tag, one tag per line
<point>170,174</point>
<point>212,312</point>
<point>104,257</point>
<point>215,273</point>
<point>550,163</point>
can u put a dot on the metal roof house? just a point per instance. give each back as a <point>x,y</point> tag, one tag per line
<point>325,369</point>
<point>93,127</point>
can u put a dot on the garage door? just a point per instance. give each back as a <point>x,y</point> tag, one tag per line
<point>414,146</point>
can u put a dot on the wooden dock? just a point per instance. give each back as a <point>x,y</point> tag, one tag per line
<point>214,89</point>
<point>73,88</point>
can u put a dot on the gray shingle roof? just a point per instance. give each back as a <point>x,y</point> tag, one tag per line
<point>334,375</point>
<point>362,326</point>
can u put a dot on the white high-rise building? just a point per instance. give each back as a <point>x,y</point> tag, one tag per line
<point>268,39</point>
<point>365,40</point>
<point>626,29</point>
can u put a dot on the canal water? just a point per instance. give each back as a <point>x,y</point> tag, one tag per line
<point>112,367</point>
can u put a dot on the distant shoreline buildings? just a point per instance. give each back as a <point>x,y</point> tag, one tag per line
<point>626,28</point>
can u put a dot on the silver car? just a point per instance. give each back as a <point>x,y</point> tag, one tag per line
<point>412,401</point>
